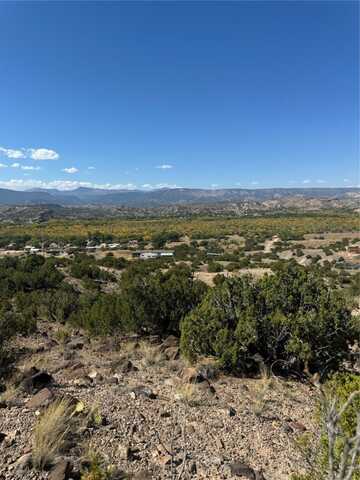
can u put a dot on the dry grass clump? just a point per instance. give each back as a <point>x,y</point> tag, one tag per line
<point>52,433</point>
<point>150,355</point>
<point>260,396</point>
<point>188,394</point>
<point>62,335</point>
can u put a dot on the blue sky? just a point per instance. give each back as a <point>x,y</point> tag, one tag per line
<point>192,94</point>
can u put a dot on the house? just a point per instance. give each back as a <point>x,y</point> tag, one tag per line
<point>147,254</point>
<point>112,246</point>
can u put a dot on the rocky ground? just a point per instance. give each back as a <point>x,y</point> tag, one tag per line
<point>153,416</point>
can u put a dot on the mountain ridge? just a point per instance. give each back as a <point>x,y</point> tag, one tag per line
<point>165,196</point>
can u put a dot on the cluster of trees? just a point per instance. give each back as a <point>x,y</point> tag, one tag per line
<point>150,301</point>
<point>294,318</point>
<point>289,227</point>
<point>22,283</point>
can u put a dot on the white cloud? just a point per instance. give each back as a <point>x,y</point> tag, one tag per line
<point>91,168</point>
<point>70,170</point>
<point>320,181</point>
<point>21,184</point>
<point>42,154</point>
<point>24,167</point>
<point>34,153</point>
<point>306,181</point>
<point>150,186</point>
<point>2,165</point>
<point>346,180</point>
<point>29,167</point>
<point>165,166</point>
<point>12,153</point>
<point>255,182</point>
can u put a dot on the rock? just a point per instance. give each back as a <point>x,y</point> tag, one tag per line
<point>208,371</point>
<point>93,374</point>
<point>170,341</point>
<point>142,391</point>
<point>75,344</point>
<point>127,367</point>
<point>192,467</point>
<point>164,459</point>
<point>2,436</point>
<point>191,375</point>
<point>172,353</point>
<point>124,452</point>
<point>143,475</point>
<point>242,470</point>
<point>165,414</point>
<point>297,426</point>
<point>231,412</point>
<point>41,399</point>
<point>24,462</point>
<point>10,438</point>
<point>62,470</point>
<point>219,443</point>
<point>37,381</point>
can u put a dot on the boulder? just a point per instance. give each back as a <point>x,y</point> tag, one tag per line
<point>242,470</point>
<point>191,375</point>
<point>40,399</point>
<point>62,470</point>
<point>76,344</point>
<point>172,353</point>
<point>142,391</point>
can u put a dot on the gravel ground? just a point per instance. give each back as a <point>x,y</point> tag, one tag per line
<point>187,431</point>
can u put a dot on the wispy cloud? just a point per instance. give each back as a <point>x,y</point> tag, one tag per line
<point>255,182</point>
<point>91,168</point>
<point>12,153</point>
<point>70,170</point>
<point>306,181</point>
<point>22,184</point>
<point>165,166</point>
<point>2,165</point>
<point>320,181</point>
<point>33,153</point>
<point>151,186</point>
<point>29,167</point>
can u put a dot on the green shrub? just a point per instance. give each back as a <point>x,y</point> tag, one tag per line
<point>214,267</point>
<point>290,318</point>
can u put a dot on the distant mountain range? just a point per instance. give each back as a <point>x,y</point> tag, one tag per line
<point>165,196</point>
